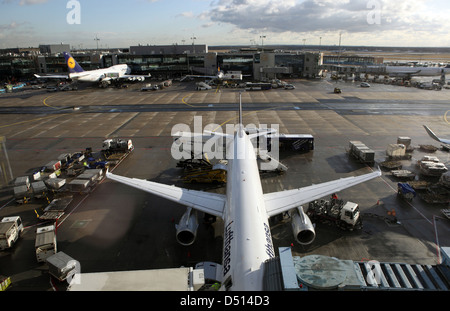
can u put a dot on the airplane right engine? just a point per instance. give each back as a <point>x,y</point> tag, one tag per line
<point>302,227</point>
<point>187,228</point>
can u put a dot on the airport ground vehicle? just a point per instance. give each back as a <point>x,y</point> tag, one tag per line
<point>114,150</point>
<point>4,282</point>
<point>216,174</point>
<point>10,230</point>
<point>117,144</point>
<point>405,191</point>
<point>344,215</point>
<point>45,243</point>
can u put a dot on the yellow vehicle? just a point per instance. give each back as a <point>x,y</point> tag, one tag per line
<point>206,176</point>
<point>4,282</point>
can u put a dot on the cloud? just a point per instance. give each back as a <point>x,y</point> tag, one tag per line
<point>186,14</point>
<point>352,16</point>
<point>26,2</point>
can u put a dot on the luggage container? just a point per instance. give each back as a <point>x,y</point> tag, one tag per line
<point>53,166</point>
<point>22,181</point>
<point>62,266</point>
<point>45,243</point>
<point>79,185</point>
<point>39,189</point>
<point>55,183</point>
<point>396,150</point>
<point>21,194</point>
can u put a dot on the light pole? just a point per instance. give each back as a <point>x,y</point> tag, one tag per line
<point>193,43</point>
<point>96,39</point>
<point>262,41</point>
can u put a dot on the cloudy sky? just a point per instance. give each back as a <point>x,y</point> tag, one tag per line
<point>123,23</point>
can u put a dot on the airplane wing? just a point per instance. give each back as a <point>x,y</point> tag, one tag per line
<point>52,77</point>
<point>211,203</point>
<point>432,135</point>
<point>282,201</point>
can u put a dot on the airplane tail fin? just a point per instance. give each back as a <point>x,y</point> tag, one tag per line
<point>72,63</point>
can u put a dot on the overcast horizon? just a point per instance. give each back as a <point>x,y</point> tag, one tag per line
<point>118,24</point>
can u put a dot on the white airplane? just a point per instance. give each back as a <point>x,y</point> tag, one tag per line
<point>245,210</point>
<point>414,71</point>
<point>103,76</point>
<point>220,75</point>
<point>432,135</point>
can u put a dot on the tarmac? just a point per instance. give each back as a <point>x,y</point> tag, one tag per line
<point>118,228</point>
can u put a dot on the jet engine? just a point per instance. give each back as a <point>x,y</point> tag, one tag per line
<point>187,228</point>
<point>302,227</point>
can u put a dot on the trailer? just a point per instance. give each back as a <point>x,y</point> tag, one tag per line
<point>446,212</point>
<point>344,215</point>
<point>436,195</point>
<point>45,244</point>
<point>214,175</point>
<point>391,165</point>
<point>419,184</point>
<point>10,230</point>
<point>403,174</point>
<point>292,142</point>
<point>56,208</point>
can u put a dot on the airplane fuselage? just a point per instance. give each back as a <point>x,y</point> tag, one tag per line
<point>247,237</point>
<point>98,75</point>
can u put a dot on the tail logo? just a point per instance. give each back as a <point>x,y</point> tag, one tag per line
<point>71,63</point>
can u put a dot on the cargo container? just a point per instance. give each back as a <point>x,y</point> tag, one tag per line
<point>45,243</point>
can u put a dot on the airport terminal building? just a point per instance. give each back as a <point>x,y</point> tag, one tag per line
<point>166,61</point>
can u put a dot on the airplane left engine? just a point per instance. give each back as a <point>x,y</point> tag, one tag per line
<point>302,227</point>
<point>187,228</point>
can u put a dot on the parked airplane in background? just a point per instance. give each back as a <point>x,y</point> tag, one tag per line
<point>413,71</point>
<point>432,135</point>
<point>220,75</point>
<point>245,210</point>
<point>102,76</point>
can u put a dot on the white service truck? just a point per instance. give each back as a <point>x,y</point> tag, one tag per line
<point>345,215</point>
<point>10,230</point>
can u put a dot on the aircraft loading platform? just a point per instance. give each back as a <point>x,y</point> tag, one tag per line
<point>287,272</point>
<point>318,272</point>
